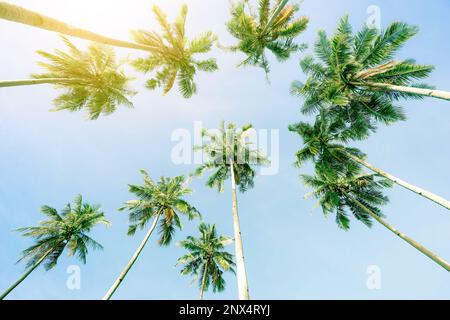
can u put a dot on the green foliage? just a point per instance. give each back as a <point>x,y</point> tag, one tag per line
<point>173,57</point>
<point>344,66</point>
<point>274,29</point>
<point>227,146</point>
<point>207,257</point>
<point>67,229</point>
<point>163,198</point>
<point>91,79</point>
<point>337,192</point>
<point>324,143</point>
<point>338,180</point>
<point>338,90</point>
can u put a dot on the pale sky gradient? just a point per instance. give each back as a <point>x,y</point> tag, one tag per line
<point>292,251</point>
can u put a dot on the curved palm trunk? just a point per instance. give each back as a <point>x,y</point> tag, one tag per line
<point>26,274</point>
<point>29,82</point>
<point>240,263</point>
<point>21,15</point>
<point>413,243</point>
<point>439,94</point>
<point>426,194</point>
<point>132,261</point>
<point>202,289</point>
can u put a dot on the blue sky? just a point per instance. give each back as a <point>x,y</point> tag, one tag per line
<point>292,251</point>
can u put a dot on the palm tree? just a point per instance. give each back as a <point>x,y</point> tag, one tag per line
<point>173,60</point>
<point>68,229</point>
<point>361,195</point>
<point>207,260</point>
<point>356,68</point>
<point>273,29</point>
<point>162,199</point>
<point>91,79</point>
<point>324,143</point>
<point>232,157</point>
<point>19,14</point>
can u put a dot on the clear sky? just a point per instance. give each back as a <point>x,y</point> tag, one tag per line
<point>292,251</point>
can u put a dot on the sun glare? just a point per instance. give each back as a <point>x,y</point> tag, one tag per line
<point>110,17</point>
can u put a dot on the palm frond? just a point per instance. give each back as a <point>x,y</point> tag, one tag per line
<point>173,57</point>
<point>91,80</point>
<point>272,29</point>
<point>68,229</point>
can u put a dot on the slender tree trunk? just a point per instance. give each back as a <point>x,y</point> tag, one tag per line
<point>413,243</point>
<point>275,14</point>
<point>29,82</point>
<point>240,263</point>
<point>19,14</point>
<point>426,194</point>
<point>132,261</point>
<point>202,289</point>
<point>26,274</point>
<point>439,94</point>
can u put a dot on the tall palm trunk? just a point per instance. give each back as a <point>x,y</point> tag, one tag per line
<point>275,14</point>
<point>426,194</point>
<point>26,274</point>
<point>29,82</point>
<point>133,259</point>
<point>19,14</point>
<point>240,263</point>
<point>413,243</point>
<point>439,94</point>
<point>202,289</point>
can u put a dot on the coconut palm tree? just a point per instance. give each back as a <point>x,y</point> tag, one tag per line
<point>22,15</point>
<point>351,69</point>
<point>174,59</point>
<point>207,260</point>
<point>231,156</point>
<point>274,29</point>
<point>362,114</point>
<point>325,144</point>
<point>91,79</point>
<point>163,201</point>
<point>67,229</point>
<point>361,195</point>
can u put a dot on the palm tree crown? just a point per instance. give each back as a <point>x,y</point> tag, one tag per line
<point>67,229</point>
<point>324,143</point>
<point>172,58</point>
<point>340,192</point>
<point>207,260</point>
<point>163,198</point>
<point>91,79</point>
<point>230,146</point>
<point>346,67</point>
<point>360,194</point>
<point>274,29</point>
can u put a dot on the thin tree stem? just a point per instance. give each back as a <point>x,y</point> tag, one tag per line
<point>439,94</point>
<point>409,240</point>
<point>202,289</point>
<point>424,193</point>
<point>240,262</point>
<point>26,274</point>
<point>29,82</point>
<point>19,14</point>
<point>127,268</point>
